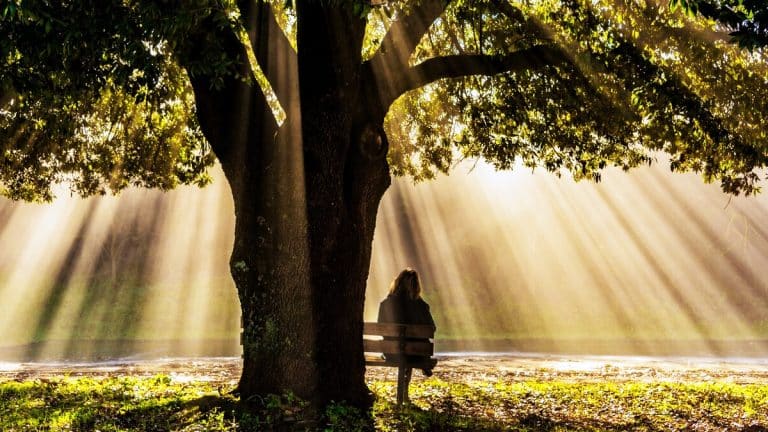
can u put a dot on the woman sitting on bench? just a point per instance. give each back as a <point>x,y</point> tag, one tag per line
<point>404,305</point>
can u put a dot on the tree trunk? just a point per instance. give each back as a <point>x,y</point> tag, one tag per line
<point>346,175</point>
<point>306,195</point>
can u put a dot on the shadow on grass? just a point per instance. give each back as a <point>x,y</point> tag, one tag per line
<point>271,413</point>
<point>451,416</point>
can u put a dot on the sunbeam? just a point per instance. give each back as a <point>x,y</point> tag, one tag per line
<point>142,273</point>
<point>647,262</point>
<point>644,263</point>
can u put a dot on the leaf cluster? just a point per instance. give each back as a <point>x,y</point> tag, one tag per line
<point>746,20</point>
<point>639,80</point>
<point>92,94</point>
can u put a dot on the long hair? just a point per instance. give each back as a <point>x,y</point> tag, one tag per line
<point>407,283</point>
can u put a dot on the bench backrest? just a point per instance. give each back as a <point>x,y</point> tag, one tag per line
<point>410,339</point>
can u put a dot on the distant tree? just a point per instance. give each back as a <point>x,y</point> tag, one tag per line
<point>310,109</point>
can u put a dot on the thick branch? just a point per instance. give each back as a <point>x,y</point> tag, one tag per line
<point>271,47</point>
<point>382,74</point>
<point>233,115</point>
<point>406,32</point>
<point>464,65</point>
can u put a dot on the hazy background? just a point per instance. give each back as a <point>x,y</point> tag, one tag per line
<point>644,263</point>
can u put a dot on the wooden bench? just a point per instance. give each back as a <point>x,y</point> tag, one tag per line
<point>379,338</point>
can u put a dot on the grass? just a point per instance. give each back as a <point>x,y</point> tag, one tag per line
<point>162,404</point>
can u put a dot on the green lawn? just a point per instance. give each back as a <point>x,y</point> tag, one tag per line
<point>162,404</point>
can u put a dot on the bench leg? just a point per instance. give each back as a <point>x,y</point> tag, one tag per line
<point>403,381</point>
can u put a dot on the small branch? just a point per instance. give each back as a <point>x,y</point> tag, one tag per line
<point>7,94</point>
<point>454,38</point>
<point>532,25</point>
<point>540,31</point>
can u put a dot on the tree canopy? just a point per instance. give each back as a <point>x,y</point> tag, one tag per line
<point>93,93</point>
<point>639,80</point>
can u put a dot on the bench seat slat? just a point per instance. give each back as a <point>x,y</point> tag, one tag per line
<point>420,348</point>
<point>421,364</point>
<point>394,330</point>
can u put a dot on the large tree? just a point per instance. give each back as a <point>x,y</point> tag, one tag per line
<point>311,107</point>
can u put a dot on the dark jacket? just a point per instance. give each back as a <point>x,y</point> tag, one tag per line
<point>404,310</point>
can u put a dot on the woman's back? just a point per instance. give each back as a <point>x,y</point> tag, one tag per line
<point>405,310</point>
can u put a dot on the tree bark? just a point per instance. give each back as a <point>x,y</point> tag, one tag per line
<point>346,175</point>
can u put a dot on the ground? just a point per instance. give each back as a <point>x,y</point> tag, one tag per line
<point>226,371</point>
<point>467,393</point>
